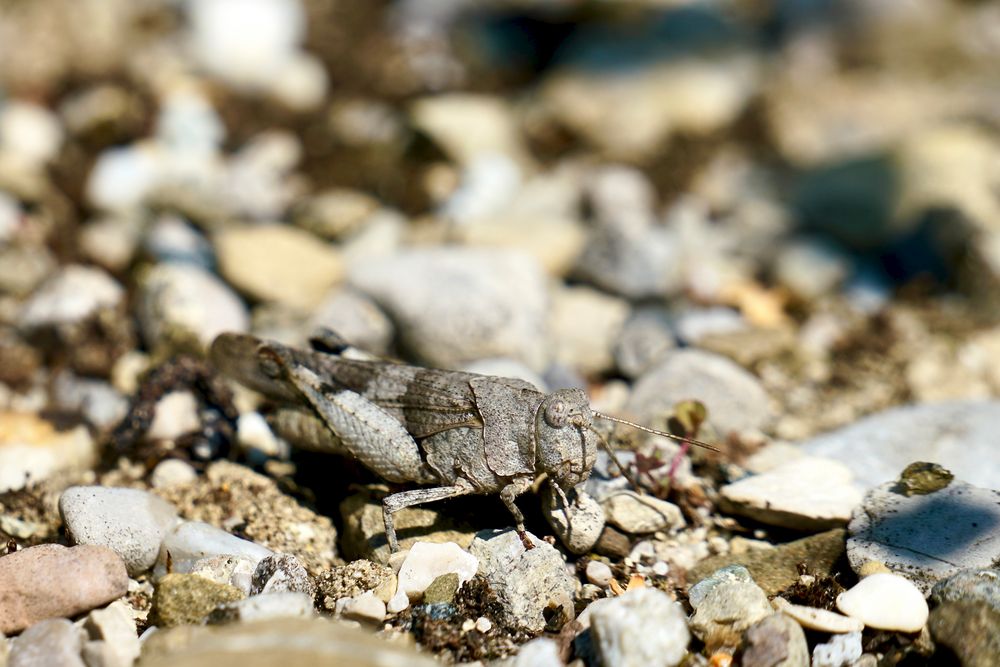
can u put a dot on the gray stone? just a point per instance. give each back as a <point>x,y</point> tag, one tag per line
<point>693,325</point>
<point>726,611</point>
<point>455,305</point>
<point>929,537</point>
<point>583,324</point>
<point>281,573</point>
<point>810,493</point>
<point>540,652</point>
<point>52,643</point>
<point>130,522</point>
<point>640,627</point>
<point>638,515</point>
<point>969,585</point>
<point>969,629</point>
<point>577,526</point>
<point>961,436</point>
<point>731,573</point>
<point>840,651</point>
<point>634,261</point>
<point>102,405</point>
<point>526,582</point>
<point>355,317</point>
<point>287,604</point>
<point>775,641</point>
<point>735,399</point>
<point>236,571</point>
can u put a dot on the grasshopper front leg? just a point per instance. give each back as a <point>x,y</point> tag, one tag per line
<point>508,495</point>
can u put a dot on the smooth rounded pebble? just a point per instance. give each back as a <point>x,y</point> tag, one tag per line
<point>191,541</point>
<point>172,472</point>
<point>365,607</point>
<point>818,619</point>
<point>598,573</point>
<point>886,602</point>
<point>639,515</point>
<point>130,522</point>
<point>50,581</point>
<point>640,627</point>
<point>810,493</point>
<point>51,643</point>
<point>426,561</point>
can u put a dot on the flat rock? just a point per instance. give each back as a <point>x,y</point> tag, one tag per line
<point>639,515</point>
<point>50,580</point>
<point>775,641</point>
<point>735,398</point>
<point>961,436</point>
<point>927,537</point>
<point>776,569</point>
<point>970,629</point>
<point>641,627</point>
<point>51,643</point>
<point>130,522</point>
<point>187,599</point>
<point>885,602</point>
<point>277,642</point>
<point>426,561</point>
<point>818,619</point>
<point>810,493</point>
<point>527,583</point>
<point>32,449</point>
<point>278,263</point>
<point>456,305</point>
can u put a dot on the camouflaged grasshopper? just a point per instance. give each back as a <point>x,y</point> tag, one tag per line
<point>457,433</point>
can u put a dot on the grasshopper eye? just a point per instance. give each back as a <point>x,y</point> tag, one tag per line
<point>269,363</point>
<point>556,413</point>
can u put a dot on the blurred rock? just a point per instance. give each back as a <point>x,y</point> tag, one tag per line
<point>278,263</point>
<point>454,305</point>
<point>469,126</point>
<point>182,302</point>
<point>55,642</point>
<point>822,620</point>
<point>775,641</point>
<point>112,636</point>
<point>841,650</point>
<point>958,435</point>
<point>969,629</point>
<point>72,295</point>
<point>646,336</point>
<point>736,400</point>
<point>640,627</point>
<point>726,611</point>
<point>582,326</point>
<point>355,317</point>
<point>336,213</point>
<point>969,585</point>
<point>32,449</point>
<point>111,242</point>
<point>171,239</point>
<point>811,268</point>
<point>268,607</point>
<point>23,267</point>
<point>31,132</point>
<point>98,401</point>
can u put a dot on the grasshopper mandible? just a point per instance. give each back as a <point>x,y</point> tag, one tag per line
<point>456,433</point>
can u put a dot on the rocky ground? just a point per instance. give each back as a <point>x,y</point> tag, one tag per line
<point>770,226</point>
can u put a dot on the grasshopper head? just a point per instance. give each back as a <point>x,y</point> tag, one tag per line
<point>566,445</point>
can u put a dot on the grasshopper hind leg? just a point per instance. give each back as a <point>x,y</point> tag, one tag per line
<point>397,501</point>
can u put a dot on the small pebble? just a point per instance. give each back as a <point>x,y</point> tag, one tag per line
<point>598,573</point>
<point>539,652</point>
<point>72,295</point>
<point>191,541</point>
<point>398,602</point>
<point>281,573</point>
<point>130,522</point>
<point>426,561</point>
<point>115,627</point>
<point>442,590</point>
<point>484,624</point>
<point>885,602</point>
<point>171,472</point>
<point>365,607</point>
<point>840,651</point>
<point>775,641</point>
<point>187,599</point>
<point>639,515</point>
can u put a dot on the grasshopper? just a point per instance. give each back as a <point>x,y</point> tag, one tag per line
<point>456,433</point>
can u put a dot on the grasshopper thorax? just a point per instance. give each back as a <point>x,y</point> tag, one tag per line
<point>566,445</point>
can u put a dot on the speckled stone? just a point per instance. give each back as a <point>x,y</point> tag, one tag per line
<point>187,599</point>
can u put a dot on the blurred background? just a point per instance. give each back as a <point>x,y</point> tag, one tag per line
<point>560,190</point>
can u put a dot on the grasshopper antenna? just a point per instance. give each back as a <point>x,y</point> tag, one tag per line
<point>679,438</point>
<point>611,452</point>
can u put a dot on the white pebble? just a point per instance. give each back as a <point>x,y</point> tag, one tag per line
<point>599,573</point>
<point>171,472</point>
<point>72,295</point>
<point>427,561</point>
<point>839,651</point>
<point>661,568</point>
<point>253,432</point>
<point>29,131</point>
<point>192,541</point>
<point>398,602</point>
<point>365,607</point>
<point>886,602</point>
<point>176,414</point>
<point>484,624</point>
<point>640,627</point>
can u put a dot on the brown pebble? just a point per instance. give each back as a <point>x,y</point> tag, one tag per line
<point>613,543</point>
<point>53,581</point>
